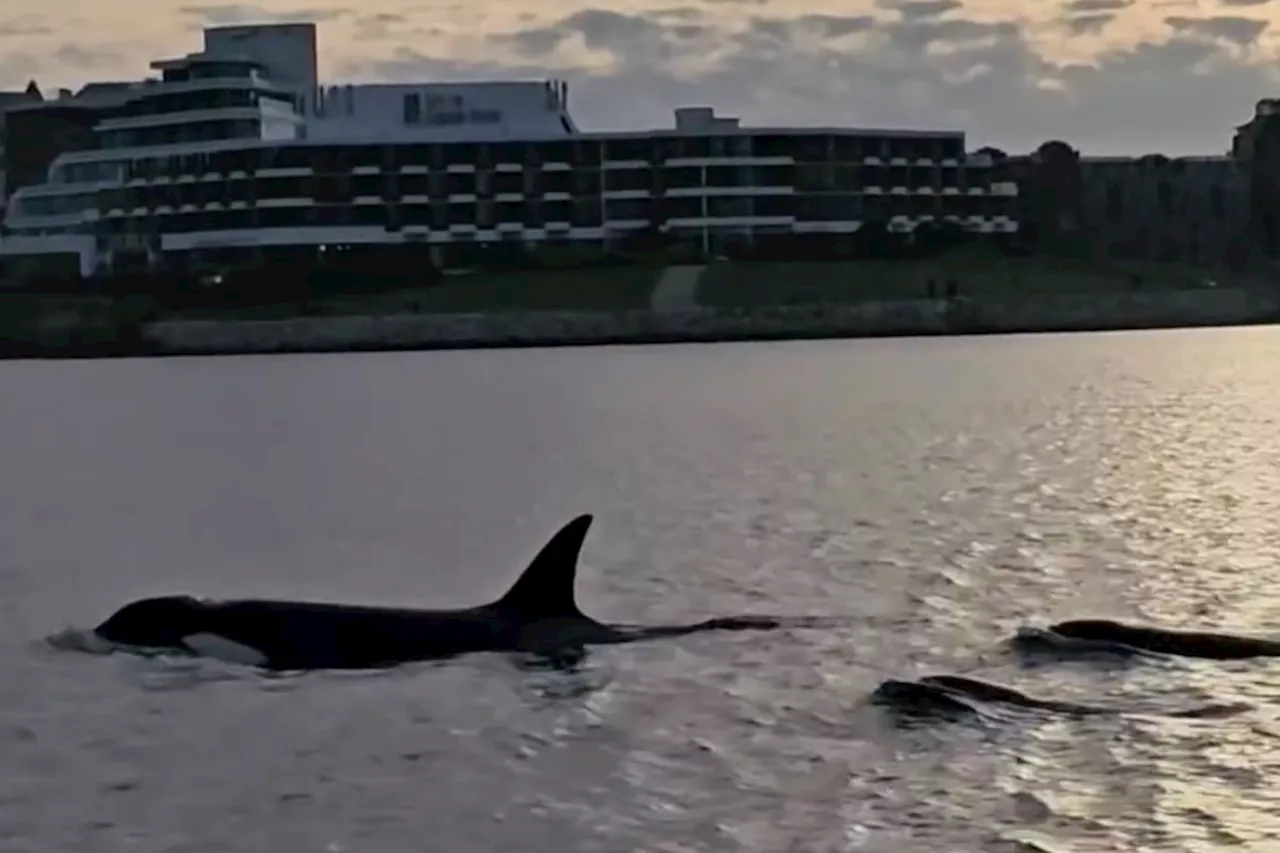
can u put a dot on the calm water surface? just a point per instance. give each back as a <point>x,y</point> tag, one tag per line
<point>943,492</point>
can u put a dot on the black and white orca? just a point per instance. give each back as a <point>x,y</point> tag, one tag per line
<point>539,615</point>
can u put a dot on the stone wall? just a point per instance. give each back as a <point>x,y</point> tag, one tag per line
<point>1062,312</point>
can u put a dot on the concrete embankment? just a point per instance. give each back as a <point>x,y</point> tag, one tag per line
<point>682,322</point>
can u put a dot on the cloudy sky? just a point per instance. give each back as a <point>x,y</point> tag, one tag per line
<point>1109,76</point>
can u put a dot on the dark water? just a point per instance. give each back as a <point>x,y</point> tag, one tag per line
<point>942,491</point>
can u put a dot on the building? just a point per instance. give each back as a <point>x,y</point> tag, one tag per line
<point>36,131</point>
<point>1186,209</point>
<point>237,153</point>
<point>9,101</point>
<point>1256,150</point>
<point>1191,210</point>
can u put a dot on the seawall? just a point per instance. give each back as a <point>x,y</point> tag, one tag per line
<point>683,323</point>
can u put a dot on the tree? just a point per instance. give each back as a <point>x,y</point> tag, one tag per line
<point>1050,194</point>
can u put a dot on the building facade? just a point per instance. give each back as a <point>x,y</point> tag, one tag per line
<point>1256,151</point>
<point>12,101</point>
<point>237,153</point>
<point>1192,210</point>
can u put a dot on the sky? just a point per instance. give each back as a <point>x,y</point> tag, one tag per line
<point>1107,76</point>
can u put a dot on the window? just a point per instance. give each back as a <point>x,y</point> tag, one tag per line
<point>1217,201</point>
<point>1115,201</point>
<point>412,108</point>
<point>448,117</point>
<point>1164,196</point>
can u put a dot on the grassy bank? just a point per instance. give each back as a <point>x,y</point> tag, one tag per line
<point>90,325</point>
<point>616,289</point>
<point>850,298</point>
<point>611,289</point>
<point>745,285</point>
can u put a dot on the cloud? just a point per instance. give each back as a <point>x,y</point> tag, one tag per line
<point>1110,76</point>
<point>24,27</point>
<point>1090,24</point>
<point>1097,5</point>
<point>1241,31</point>
<point>248,13</point>
<point>677,13</point>
<point>985,77</point>
<point>383,26</point>
<point>85,58</point>
<point>915,10</point>
<point>15,68</point>
<point>624,38</point>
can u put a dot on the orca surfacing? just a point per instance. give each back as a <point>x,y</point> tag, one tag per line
<point>539,614</point>
<point>958,697</point>
<point>1105,635</point>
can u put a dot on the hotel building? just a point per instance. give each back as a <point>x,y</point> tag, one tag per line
<point>238,153</point>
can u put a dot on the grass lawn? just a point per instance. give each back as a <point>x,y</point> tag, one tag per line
<point>26,311</point>
<point>561,290</point>
<point>748,284</point>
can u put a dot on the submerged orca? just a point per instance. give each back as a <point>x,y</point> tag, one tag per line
<point>539,614</point>
<point>1139,638</point>
<point>959,697</point>
<point>914,700</point>
<point>1034,641</point>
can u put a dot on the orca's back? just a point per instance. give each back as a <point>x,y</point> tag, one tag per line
<point>317,635</point>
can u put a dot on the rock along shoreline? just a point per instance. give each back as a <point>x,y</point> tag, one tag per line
<point>1074,312</point>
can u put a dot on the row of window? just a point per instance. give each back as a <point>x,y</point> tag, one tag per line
<point>345,187</point>
<point>581,213</point>
<point>439,111</point>
<point>576,152</point>
<point>53,205</point>
<point>80,173</point>
<point>213,130</point>
<point>482,214</point>
<point>487,185</point>
<point>1167,201</point>
<point>212,70</point>
<point>348,191</point>
<point>167,103</point>
<point>806,176</point>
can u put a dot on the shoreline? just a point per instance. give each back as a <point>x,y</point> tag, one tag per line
<point>1075,312</point>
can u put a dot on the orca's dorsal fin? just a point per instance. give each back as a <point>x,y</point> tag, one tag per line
<point>546,589</point>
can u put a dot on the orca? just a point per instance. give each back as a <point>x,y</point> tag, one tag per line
<point>1034,641</point>
<point>1140,638</point>
<point>960,697</point>
<point>915,700</point>
<point>538,615</point>
<point>987,691</point>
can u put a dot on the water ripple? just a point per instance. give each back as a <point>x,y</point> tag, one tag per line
<point>940,493</point>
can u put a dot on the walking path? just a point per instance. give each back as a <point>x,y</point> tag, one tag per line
<point>677,289</point>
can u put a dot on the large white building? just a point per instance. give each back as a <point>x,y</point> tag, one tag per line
<point>238,152</point>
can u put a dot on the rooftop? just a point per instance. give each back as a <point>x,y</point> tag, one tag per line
<point>205,58</point>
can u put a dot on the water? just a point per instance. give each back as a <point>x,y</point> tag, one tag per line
<point>943,492</point>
